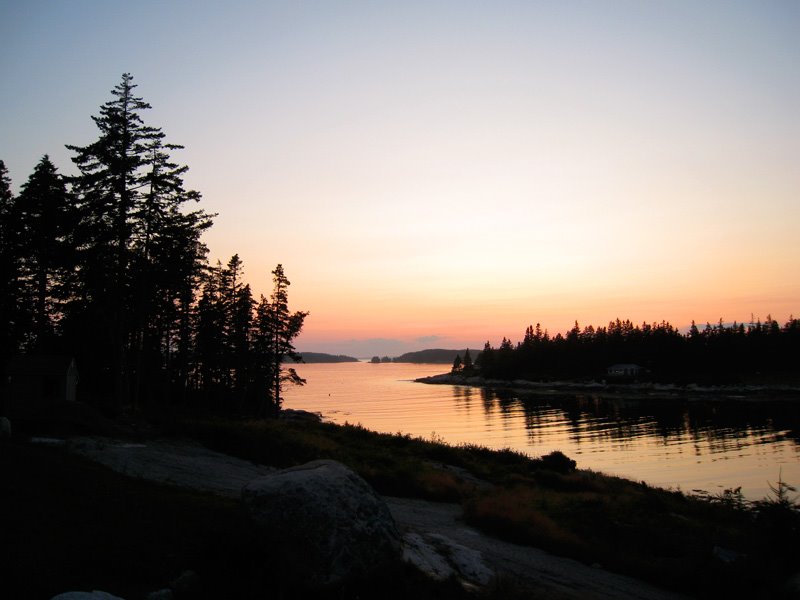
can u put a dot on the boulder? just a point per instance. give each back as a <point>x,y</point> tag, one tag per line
<point>297,415</point>
<point>791,588</point>
<point>323,524</point>
<point>441,558</point>
<point>187,585</point>
<point>5,428</point>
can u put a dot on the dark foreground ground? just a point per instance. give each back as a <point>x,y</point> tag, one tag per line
<point>68,523</point>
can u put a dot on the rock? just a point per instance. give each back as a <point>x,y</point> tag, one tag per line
<point>323,522</point>
<point>165,594</point>
<point>440,558</point>
<point>186,585</point>
<point>94,595</point>
<point>724,555</point>
<point>791,588</point>
<point>421,554</point>
<point>5,428</point>
<point>292,414</point>
<point>184,464</point>
<point>462,474</point>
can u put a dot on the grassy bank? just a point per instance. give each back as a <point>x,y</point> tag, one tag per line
<point>711,547</point>
<point>70,524</point>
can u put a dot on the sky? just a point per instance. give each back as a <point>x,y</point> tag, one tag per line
<point>442,174</point>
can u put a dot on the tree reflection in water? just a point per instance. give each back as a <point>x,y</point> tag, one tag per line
<point>592,418</point>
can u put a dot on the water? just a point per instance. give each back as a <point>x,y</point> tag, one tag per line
<point>687,445</point>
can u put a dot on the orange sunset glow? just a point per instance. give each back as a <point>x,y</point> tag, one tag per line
<point>451,174</point>
<point>400,300</point>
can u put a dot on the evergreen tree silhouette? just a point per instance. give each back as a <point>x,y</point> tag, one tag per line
<point>47,219</point>
<point>9,268</point>
<point>138,250</point>
<point>279,327</point>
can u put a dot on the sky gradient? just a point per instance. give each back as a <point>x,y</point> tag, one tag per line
<point>439,174</point>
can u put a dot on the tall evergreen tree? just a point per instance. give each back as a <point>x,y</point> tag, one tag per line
<point>263,360</point>
<point>139,249</point>
<point>209,334</point>
<point>9,267</point>
<point>167,259</point>
<point>238,303</point>
<point>486,361</point>
<point>467,367</point>
<point>47,218</point>
<point>277,328</point>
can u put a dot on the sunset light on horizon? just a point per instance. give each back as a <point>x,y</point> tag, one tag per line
<point>443,174</point>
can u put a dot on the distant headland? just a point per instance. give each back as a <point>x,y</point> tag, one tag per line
<point>429,356</point>
<point>321,357</point>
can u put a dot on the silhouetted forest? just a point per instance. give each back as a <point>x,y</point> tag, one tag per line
<point>714,354</point>
<point>108,267</point>
<point>431,356</point>
<point>322,357</point>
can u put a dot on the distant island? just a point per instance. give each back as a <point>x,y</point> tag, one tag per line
<point>433,356</point>
<point>321,357</point>
<point>623,352</point>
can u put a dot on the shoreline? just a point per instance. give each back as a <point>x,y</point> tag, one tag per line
<point>607,532</point>
<point>632,391</point>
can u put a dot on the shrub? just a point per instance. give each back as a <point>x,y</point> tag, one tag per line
<point>558,461</point>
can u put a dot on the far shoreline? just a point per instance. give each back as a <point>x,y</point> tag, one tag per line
<point>630,391</point>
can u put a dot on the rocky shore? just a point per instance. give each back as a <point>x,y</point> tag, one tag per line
<point>295,505</point>
<point>327,503</point>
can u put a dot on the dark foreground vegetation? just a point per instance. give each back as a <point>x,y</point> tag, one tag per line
<point>737,353</point>
<point>69,524</point>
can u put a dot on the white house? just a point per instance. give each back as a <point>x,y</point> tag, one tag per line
<point>624,370</point>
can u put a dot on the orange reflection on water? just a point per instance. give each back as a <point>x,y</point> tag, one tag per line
<point>670,443</point>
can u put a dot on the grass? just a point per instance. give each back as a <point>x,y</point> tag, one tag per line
<point>665,537</point>
<point>396,465</point>
<point>71,524</point>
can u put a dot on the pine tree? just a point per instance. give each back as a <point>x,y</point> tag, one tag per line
<point>261,374</point>
<point>9,267</point>
<point>487,361</point>
<point>47,217</point>
<point>238,302</point>
<point>277,328</point>
<point>139,251</point>
<point>467,367</point>
<point>209,334</point>
<point>167,259</point>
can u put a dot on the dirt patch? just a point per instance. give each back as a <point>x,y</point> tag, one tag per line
<point>556,577</point>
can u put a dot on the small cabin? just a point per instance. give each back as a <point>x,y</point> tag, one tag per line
<point>36,383</point>
<point>624,370</point>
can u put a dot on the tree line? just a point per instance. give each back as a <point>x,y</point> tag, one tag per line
<point>109,266</point>
<point>722,353</point>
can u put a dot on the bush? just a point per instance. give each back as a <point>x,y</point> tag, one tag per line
<point>559,462</point>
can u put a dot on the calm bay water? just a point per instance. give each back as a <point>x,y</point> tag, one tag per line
<point>710,445</point>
